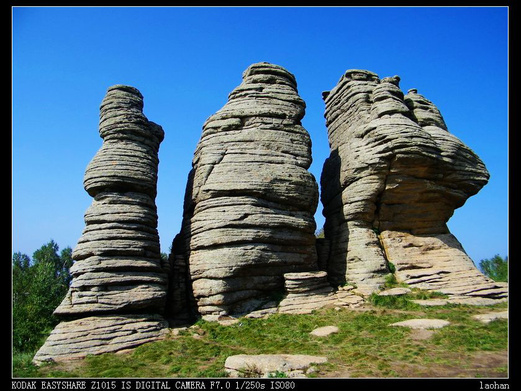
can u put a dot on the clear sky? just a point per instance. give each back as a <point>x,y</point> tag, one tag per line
<point>185,62</point>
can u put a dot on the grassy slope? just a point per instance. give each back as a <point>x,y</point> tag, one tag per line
<point>364,347</point>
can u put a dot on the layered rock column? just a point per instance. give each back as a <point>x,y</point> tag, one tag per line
<point>392,181</point>
<point>119,285</point>
<point>250,200</point>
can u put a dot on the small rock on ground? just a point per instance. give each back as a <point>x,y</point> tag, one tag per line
<point>422,323</point>
<point>395,292</point>
<point>431,302</point>
<point>490,316</point>
<point>478,301</point>
<point>324,331</point>
<point>262,365</point>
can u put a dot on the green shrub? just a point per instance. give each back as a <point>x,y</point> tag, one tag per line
<point>39,286</point>
<point>495,268</point>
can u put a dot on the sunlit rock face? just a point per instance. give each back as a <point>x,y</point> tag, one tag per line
<point>119,284</point>
<point>250,200</point>
<point>394,177</point>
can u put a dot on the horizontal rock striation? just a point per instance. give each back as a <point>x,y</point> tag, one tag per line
<point>310,291</point>
<point>306,282</point>
<point>306,292</point>
<point>100,334</point>
<point>392,181</point>
<point>250,200</point>
<point>118,270</point>
<point>438,263</point>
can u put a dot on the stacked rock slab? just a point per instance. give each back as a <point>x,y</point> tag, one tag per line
<point>250,200</point>
<point>119,285</point>
<point>309,291</point>
<point>394,177</point>
<point>306,291</point>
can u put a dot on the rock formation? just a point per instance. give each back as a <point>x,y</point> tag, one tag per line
<point>392,181</point>
<point>250,200</point>
<point>394,177</point>
<point>119,284</point>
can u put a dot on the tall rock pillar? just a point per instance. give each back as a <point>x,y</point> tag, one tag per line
<point>118,289</point>
<point>394,178</point>
<point>250,200</point>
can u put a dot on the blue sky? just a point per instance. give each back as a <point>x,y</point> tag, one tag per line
<point>185,61</point>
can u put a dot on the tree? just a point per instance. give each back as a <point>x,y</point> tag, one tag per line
<point>59,264</point>
<point>495,268</point>
<point>38,288</point>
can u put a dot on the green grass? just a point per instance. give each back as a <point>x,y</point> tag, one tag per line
<point>364,346</point>
<point>22,365</point>
<point>404,301</point>
<point>474,336</point>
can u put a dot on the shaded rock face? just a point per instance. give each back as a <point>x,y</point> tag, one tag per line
<point>117,271</point>
<point>392,181</point>
<point>250,200</point>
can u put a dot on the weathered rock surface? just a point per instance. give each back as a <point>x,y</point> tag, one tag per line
<point>264,365</point>
<point>395,292</point>
<point>309,291</point>
<point>306,292</point>
<point>324,331</point>
<point>307,283</point>
<point>491,316</point>
<point>464,300</point>
<point>76,339</point>
<point>422,323</point>
<point>250,200</point>
<point>438,263</point>
<point>392,181</point>
<point>118,270</point>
